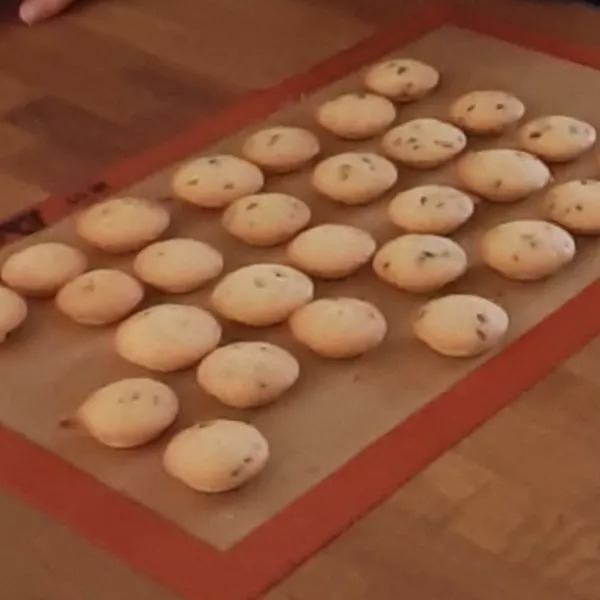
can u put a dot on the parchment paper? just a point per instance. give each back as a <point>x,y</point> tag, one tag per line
<point>338,407</point>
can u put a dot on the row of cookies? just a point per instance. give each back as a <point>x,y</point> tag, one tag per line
<point>361,115</point>
<point>116,418</point>
<point>216,181</point>
<point>170,337</point>
<point>133,412</point>
<point>180,265</point>
<point>130,413</point>
<point>353,327</point>
<point>555,138</point>
<point>221,455</point>
<point>480,112</point>
<point>454,325</point>
<point>219,428</point>
<point>351,178</point>
<point>430,142</point>
<point>343,327</point>
<point>162,338</point>
<point>498,175</point>
<point>265,219</point>
<point>359,177</point>
<point>211,457</point>
<point>327,251</point>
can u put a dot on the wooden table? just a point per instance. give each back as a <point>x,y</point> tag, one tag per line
<point>512,512</point>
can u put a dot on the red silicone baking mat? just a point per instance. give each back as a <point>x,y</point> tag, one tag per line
<point>193,568</point>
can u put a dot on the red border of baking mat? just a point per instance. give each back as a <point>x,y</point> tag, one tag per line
<point>195,570</point>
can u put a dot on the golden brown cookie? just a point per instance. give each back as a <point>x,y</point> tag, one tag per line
<point>339,327</point>
<point>99,297</point>
<point>41,270</point>
<point>216,456</point>
<point>331,250</point>
<point>402,79</point>
<point>266,219</point>
<point>178,265</point>
<point>167,337</point>
<point>356,116</point>
<point>423,143</point>
<point>557,138</point>
<point>420,263</point>
<point>216,181</point>
<point>262,294</point>
<point>527,250</point>
<point>575,205</point>
<point>248,374</point>
<point>281,149</point>
<point>461,325</point>
<point>502,175</point>
<point>129,413</point>
<point>354,177</point>
<point>437,209</point>
<point>486,112</point>
<point>123,224</point>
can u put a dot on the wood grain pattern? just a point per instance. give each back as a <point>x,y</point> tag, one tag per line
<point>513,512</point>
<point>42,559</point>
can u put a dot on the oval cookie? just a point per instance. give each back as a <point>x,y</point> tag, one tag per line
<point>41,270</point>
<point>262,294</point>
<point>527,250</point>
<point>502,175</point>
<point>178,265</point>
<point>281,149</point>
<point>331,250</point>
<point>575,205</point>
<point>402,79</point>
<point>420,263</point>
<point>354,177</point>
<point>423,143</point>
<point>99,297</point>
<point>461,325</point>
<point>557,138</point>
<point>216,456</point>
<point>13,311</point>
<point>437,209</point>
<point>356,116</point>
<point>123,224</point>
<point>266,219</point>
<point>129,413</point>
<point>486,112</point>
<point>167,337</point>
<point>248,374</point>
<point>216,181</point>
<point>339,327</point>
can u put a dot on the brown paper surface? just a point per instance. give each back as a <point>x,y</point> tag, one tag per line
<point>338,407</point>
